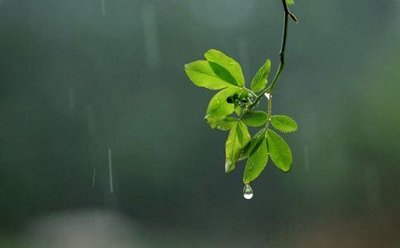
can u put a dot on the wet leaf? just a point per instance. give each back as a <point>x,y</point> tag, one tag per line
<point>279,151</point>
<point>255,118</point>
<point>284,123</point>
<point>245,153</point>
<point>238,138</point>
<point>219,108</point>
<point>260,80</point>
<point>230,64</point>
<point>205,74</point>
<point>226,124</point>
<point>243,135</point>
<point>257,161</point>
<point>290,2</point>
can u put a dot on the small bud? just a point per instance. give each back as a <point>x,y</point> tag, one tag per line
<point>293,17</point>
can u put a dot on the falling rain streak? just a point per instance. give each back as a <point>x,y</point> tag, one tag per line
<point>110,171</point>
<point>244,54</point>
<point>91,127</point>
<point>372,187</point>
<point>71,99</point>
<point>306,160</point>
<point>103,7</point>
<point>94,178</point>
<point>150,35</point>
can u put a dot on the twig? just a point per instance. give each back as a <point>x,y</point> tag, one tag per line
<point>270,88</point>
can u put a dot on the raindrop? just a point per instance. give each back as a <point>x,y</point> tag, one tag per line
<point>306,160</point>
<point>247,192</point>
<point>103,7</point>
<point>110,171</point>
<point>94,178</point>
<point>208,12</point>
<point>372,187</point>
<point>243,48</point>
<point>227,165</point>
<point>150,35</point>
<point>71,99</point>
<point>91,127</point>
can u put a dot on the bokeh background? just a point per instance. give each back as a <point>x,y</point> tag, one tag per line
<point>81,80</point>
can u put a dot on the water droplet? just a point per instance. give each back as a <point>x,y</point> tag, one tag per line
<point>247,192</point>
<point>151,35</point>
<point>110,171</point>
<point>267,95</point>
<point>94,178</point>
<point>71,99</point>
<point>228,165</point>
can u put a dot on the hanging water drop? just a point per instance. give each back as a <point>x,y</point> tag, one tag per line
<point>228,165</point>
<point>247,192</point>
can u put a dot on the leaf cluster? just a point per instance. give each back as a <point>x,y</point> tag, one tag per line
<point>232,109</point>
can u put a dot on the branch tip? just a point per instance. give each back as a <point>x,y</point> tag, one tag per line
<point>293,17</point>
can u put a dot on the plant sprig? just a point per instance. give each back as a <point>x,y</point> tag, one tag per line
<point>233,109</point>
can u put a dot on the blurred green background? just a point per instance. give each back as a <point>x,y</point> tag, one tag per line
<point>80,77</point>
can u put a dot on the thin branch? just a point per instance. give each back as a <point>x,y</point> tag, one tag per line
<point>270,88</point>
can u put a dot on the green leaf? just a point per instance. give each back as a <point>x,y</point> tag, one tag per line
<point>250,146</point>
<point>243,135</point>
<point>225,124</point>
<point>238,138</point>
<point>208,75</point>
<point>219,108</point>
<point>230,64</point>
<point>238,110</point>
<point>279,151</point>
<point>260,80</point>
<point>255,118</point>
<point>223,73</point>
<point>257,161</point>
<point>231,148</point>
<point>290,2</point>
<point>284,123</point>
